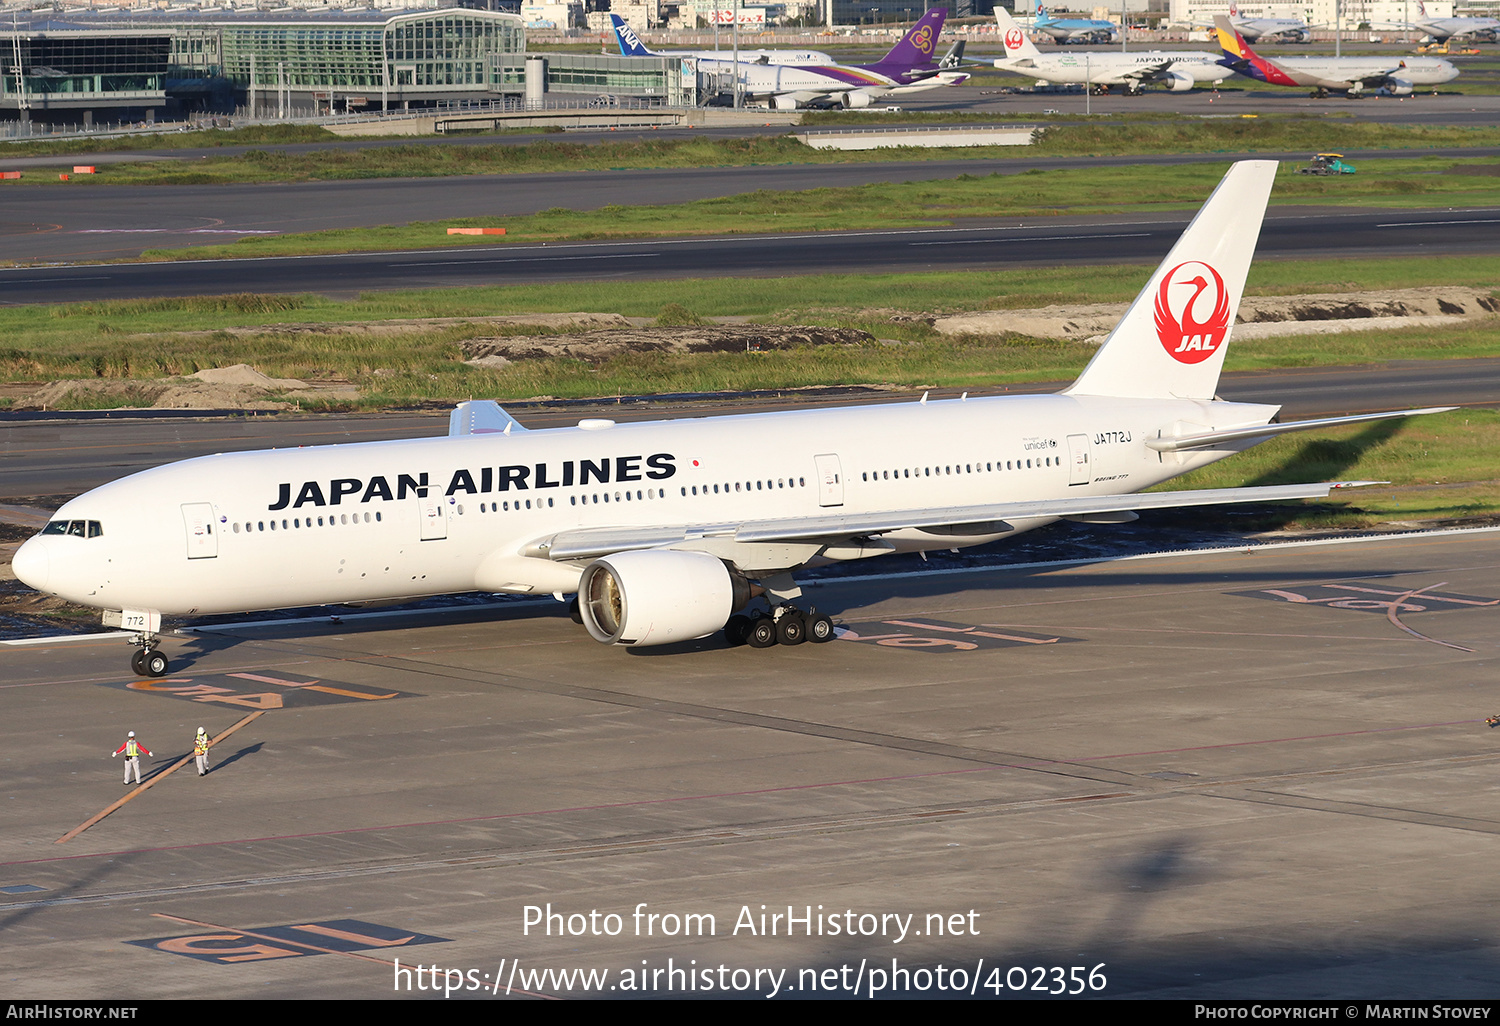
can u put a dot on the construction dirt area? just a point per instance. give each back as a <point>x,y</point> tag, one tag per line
<point>595,338</point>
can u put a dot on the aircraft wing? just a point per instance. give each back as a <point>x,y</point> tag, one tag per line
<point>1149,72</point>
<point>587,543</point>
<point>1378,78</point>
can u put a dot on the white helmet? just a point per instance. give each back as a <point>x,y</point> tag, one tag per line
<point>130,733</point>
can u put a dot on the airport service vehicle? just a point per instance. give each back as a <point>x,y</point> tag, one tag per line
<point>1351,76</point>
<point>1074,30</point>
<point>669,530</point>
<point>1485,30</point>
<point>1177,70</point>
<point>1324,164</point>
<point>631,46</point>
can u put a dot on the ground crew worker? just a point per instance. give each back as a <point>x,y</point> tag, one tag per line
<point>132,749</point>
<point>200,749</point>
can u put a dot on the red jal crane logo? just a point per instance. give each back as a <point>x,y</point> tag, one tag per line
<point>1186,291</point>
<point>1013,39</point>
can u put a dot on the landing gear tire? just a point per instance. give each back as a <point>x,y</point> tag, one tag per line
<point>138,663</point>
<point>791,629</point>
<point>154,662</point>
<point>762,632</point>
<point>819,628</point>
<point>737,630</point>
<point>574,613</point>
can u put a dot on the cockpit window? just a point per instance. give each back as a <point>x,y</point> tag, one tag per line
<point>75,528</point>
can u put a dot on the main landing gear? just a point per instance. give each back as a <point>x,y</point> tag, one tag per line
<point>784,625</point>
<point>148,661</point>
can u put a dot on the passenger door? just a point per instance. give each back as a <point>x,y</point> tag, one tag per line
<point>202,539</point>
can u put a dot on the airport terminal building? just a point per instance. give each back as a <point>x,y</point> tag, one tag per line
<point>149,65</point>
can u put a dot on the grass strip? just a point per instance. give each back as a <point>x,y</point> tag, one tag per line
<point>1060,137</point>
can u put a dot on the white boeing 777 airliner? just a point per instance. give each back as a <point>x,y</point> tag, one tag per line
<point>666,529</point>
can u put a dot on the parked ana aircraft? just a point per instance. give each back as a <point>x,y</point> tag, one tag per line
<point>631,46</point>
<point>666,530</point>
<point>1074,30</point>
<point>1270,30</point>
<point>1324,75</point>
<point>1485,30</point>
<point>1178,70</point>
<point>909,66</point>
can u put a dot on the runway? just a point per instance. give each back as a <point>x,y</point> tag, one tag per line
<point>1288,232</point>
<point>1215,775</point>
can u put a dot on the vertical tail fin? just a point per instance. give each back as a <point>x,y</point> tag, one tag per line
<point>1231,43</point>
<point>918,46</point>
<point>630,43</point>
<point>1171,342</point>
<point>1018,46</point>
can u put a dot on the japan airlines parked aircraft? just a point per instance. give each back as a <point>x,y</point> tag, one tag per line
<point>1074,30</point>
<point>631,46</point>
<point>909,66</point>
<point>666,529</point>
<point>1443,29</point>
<point>1178,70</point>
<point>1349,75</point>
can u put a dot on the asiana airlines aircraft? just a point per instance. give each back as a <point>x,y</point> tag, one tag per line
<point>672,530</point>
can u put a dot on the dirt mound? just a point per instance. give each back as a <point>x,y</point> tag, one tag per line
<point>239,387</point>
<point>244,374</point>
<point>1340,312</point>
<point>596,346</point>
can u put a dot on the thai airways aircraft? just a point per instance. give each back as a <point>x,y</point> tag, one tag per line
<point>1177,70</point>
<point>631,46</point>
<point>1074,30</point>
<point>669,530</point>
<point>1443,29</point>
<point>1348,75</point>
<point>908,67</point>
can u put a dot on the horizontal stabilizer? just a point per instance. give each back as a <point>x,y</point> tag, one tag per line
<point>481,417</point>
<point>1210,438</point>
<point>587,543</point>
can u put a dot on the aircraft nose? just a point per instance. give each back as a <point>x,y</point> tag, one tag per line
<point>31,564</point>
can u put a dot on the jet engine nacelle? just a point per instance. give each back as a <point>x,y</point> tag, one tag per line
<point>1178,81</point>
<point>857,100</point>
<point>1399,87</point>
<point>784,101</point>
<point>658,596</point>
